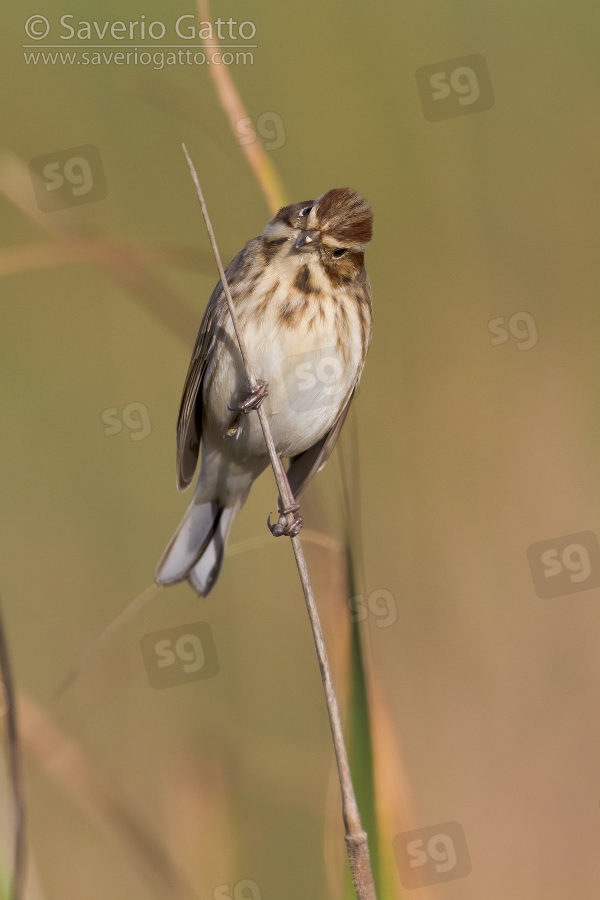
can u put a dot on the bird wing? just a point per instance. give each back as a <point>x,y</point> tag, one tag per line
<point>189,420</point>
<point>305,466</point>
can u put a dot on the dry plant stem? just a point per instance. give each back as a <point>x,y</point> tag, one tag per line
<point>356,838</point>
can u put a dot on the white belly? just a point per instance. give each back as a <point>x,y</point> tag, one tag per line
<point>310,375</point>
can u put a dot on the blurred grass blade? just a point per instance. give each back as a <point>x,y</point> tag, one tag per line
<point>113,628</point>
<point>360,749</point>
<point>61,757</point>
<point>264,170</point>
<point>16,778</point>
<point>98,251</point>
<point>379,768</point>
<point>152,293</point>
<point>360,741</point>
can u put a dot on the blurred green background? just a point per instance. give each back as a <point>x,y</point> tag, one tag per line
<point>475,440</point>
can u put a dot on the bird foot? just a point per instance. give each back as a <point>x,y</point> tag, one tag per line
<point>289,522</point>
<point>254,399</point>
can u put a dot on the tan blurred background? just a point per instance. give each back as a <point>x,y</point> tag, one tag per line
<point>476,441</point>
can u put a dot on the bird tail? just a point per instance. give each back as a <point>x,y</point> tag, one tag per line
<point>197,548</point>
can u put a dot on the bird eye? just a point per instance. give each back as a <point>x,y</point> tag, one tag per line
<point>305,211</point>
<point>337,253</point>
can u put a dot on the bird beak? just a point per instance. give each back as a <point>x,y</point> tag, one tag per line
<point>307,240</point>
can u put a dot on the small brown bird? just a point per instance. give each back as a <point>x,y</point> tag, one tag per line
<point>303,300</point>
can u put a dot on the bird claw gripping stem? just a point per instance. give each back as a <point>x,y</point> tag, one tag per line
<point>289,522</point>
<point>254,399</point>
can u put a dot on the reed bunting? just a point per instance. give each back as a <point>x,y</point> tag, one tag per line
<point>303,300</point>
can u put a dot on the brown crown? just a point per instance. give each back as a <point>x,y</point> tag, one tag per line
<point>345,216</point>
